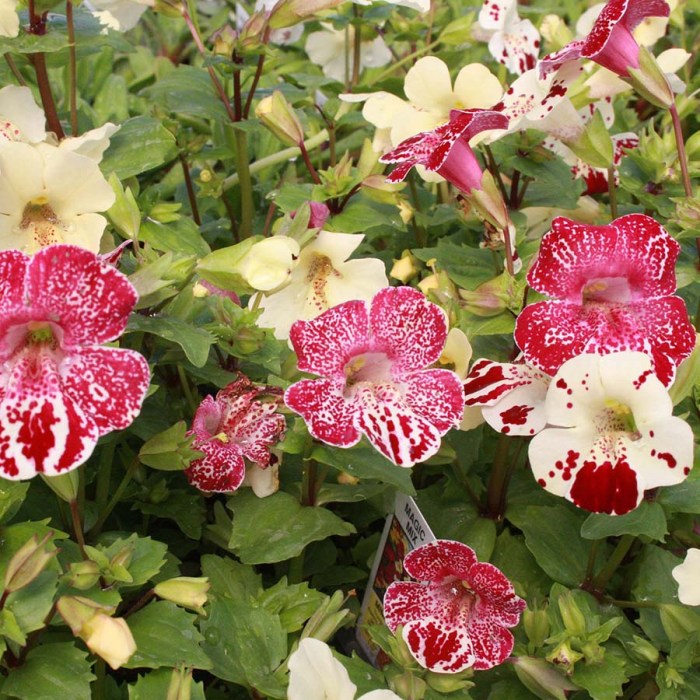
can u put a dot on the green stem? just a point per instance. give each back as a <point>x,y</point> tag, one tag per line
<point>78,526</point>
<point>72,69</point>
<point>98,686</point>
<point>606,573</point>
<point>279,157</point>
<point>254,85</point>
<point>15,71</point>
<point>680,146</point>
<point>186,390</point>
<point>190,189</point>
<point>591,564</point>
<point>403,61</point>
<point>245,224</point>
<point>356,46</point>
<point>612,192</point>
<point>105,513</point>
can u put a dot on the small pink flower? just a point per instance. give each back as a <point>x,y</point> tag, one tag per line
<point>613,290</point>
<point>456,618</point>
<point>611,434</point>
<point>610,43</point>
<point>446,150</point>
<point>373,378</point>
<point>59,389</point>
<point>230,428</point>
<point>511,396</point>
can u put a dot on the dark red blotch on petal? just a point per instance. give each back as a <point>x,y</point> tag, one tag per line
<point>606,488</point>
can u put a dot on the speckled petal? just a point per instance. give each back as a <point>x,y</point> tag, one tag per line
<point>492,644</point>
<point>439,648</point>
<point>221,470</point>
<point>554,61</point>
<point>435,560</point>
<point>325,344</point>
<point>89,299</point>
<point>109,384</point>
<point>42,429</point>
<point>436,395</point>
<point>497,603</point>
<point>408,327</point>
<point>328,415</point>
<point>392,427</point>
<point>517,46</point>
<point>13,266</point>
<point>407,600</point>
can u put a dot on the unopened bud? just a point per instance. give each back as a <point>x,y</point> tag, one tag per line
<point>536,624</point>
<point>408,686</point>
<point>650,81</point>
<point>679,621</point>
<point>225,40</point>
<point>565,657</point>
<point>572,616</point>
<point>643,650</point>
<point>490,298</point>
<point>165,212</point>
<point>541,678</point>
<point>268,264</point>
<point>124,214</point>
<point>180,687</point>
<point>186,591</point>
<point>27,563</point>
<point>65,486</point>
<point>110,638</point>
<point>450,682</point>
<point>278,116</point>
<point>83,574</point>
<point>406,267</point>
<point>287,13</point>
<point>328,619</point>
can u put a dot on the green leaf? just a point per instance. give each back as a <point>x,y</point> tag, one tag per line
<point>348,493</point>
<point>219,267</point>
<point>169,450</point>
<point>231,579</point>
<point>184,507</point>
<point>147,557</point>
<point>647,519</point>
<point>277,528</point>
<point>181,236</point>
<point>194,341</point>
<point>166,635</point>
<point>12,495</point>
<point>141,144</point>
<point>552,534</point>
<point>364,462</point>
<point>156,684</point>
<point>603,681</point>
<point>467,267</point>
<point>514,559</point>
<point>358,216</point>
<point>51,671</point>
<point>246,644</point>
<point>294,604</point>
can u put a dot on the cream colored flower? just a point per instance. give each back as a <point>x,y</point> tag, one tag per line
<point>264,482</point>
<point>9,19</point>
<point>332,50</point>
<point>120,15</point>
<point>49,195</point>
<point>20,117</point>
<point>687,575</point>
<point>323,277</point>
<point>110,638</point>
<point>268,264</point>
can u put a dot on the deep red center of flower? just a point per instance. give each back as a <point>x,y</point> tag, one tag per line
<point>458,596</point>
<point>370,367</point>
<point>607,289</point>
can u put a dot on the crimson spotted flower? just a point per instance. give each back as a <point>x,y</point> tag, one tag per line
<point>610,43</point>
<point>60,389</point>
<point>372,362</point>
<point>457,616</point>
<point>234,426</point>
<point>446,150</point>
<point>612,290</point>
<point>611,434</point>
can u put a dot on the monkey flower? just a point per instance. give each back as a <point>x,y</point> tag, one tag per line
<point>60,390</point>
<point>457,616</point>
<point>373,380</point>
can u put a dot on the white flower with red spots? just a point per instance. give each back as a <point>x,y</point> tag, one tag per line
<point>53,197</point>
<point>687,576</point>
<point>511,396</point>
<point>235,426</point>
<point>322,277</point>
<point>611,434</point>
<point>514,42</point>
<point>610,42</point>
<point>372,360</point>
<point>59,389</point>
<point>457,616</point>
<point>612,289</point>
<point>446,149</point>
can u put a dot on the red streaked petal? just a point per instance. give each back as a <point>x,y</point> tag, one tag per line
<point>497,602</point>
<point>554,61</point>
<point>492,644</point>
<point>408,327</point>
<point>109,384</point>
<point>221,470</point>
<point>326,343</point>
<point>328,415</point>
<point>398,174</point>
<point>440,649</point>
<point>436,395</point>
<point>70,286</point>
<point>435,560</point>
<point>405,601</point>
<point>392,427</point>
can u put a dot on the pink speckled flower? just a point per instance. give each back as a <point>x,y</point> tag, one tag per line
<point>611,434</point>
<point>446,150</point>
<point>613,290</point>
<point>230,428</point>
<point>458,616</point>
<point>610,43</point>
<point>511,396</point>
<point>59,389</point>
<point>373,379</point>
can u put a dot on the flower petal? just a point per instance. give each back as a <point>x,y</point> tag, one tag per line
<point>428,85</point>
<point>554,61</point>
<point>437,396</point>
<point>221,470</point>
<point>109,384</point>
<point>476,87</point>
<point>497,602</point>
<point>439,648</point>
<point>90,300</point>
<point>435,560</point>
<point>405,601</point>
<point>492,644</point>
<point>408,327</point>
<point>328,416</point>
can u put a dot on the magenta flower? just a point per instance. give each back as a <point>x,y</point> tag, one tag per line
<point>373,378</point>
<point>60,390</point>
<point>230,428</point>
<point>446,150</point>
<point>610,43</point>
<point>456,618</point>
<point>613,290</point>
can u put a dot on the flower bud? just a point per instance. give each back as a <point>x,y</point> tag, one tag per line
<point>28,562</point>
<point>328,619</point>
<point>268,264</point>
<point>564,657</point>
<point>406,267</point>
<point>186,591</point>
<point>180,687</point>
<point>536,624</point>
<point>65,486</point>
<point>110,638</point>
<point>287,13</point>
<point>572,616</point>
<point>488,202</point>
<point>554,30</point>
<point>165,212</point>
<point>678,621</point>
<point>408,686</point>
<point>650,81</point>
<point>541,678</point>
<point>278,116</point>
<point>83,574</point>
<point>124,214</point>
<point>450,682</point>
<point>642,650</point>
<point>264,482</point>
<point>225,40</point>
<point>593,652</point>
